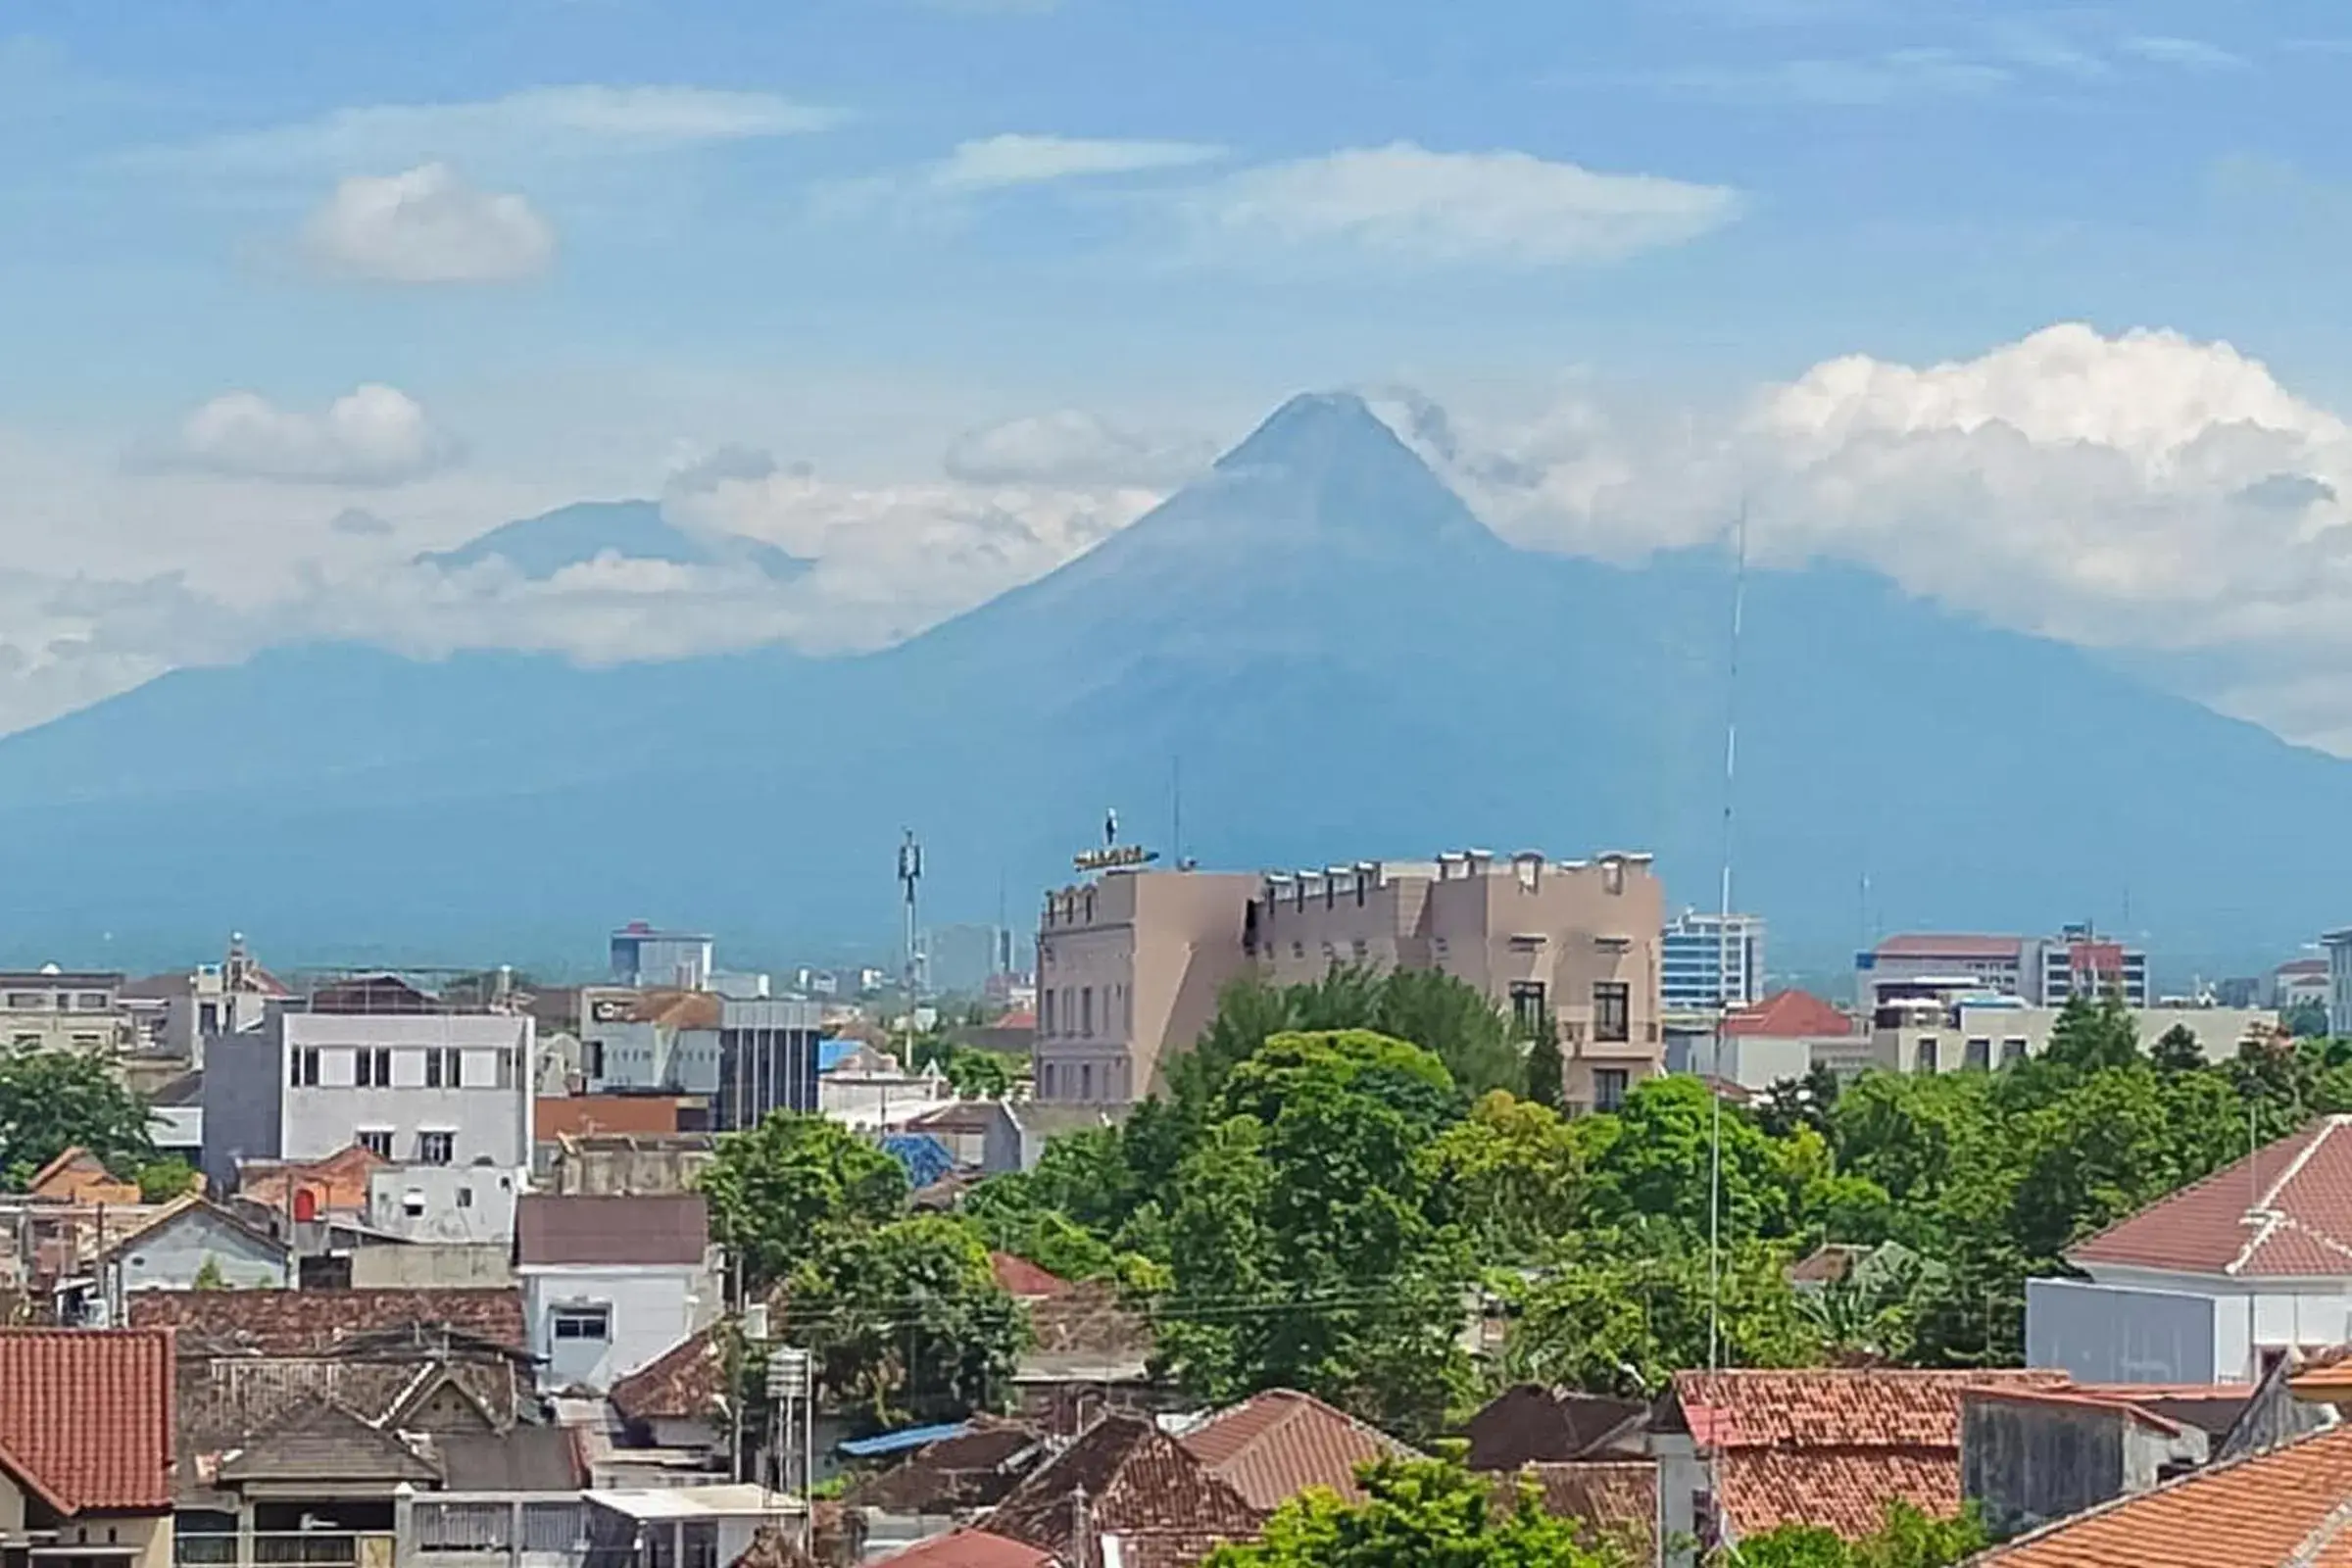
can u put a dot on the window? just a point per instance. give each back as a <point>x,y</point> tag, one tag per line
<point>412,1202</point>
<point>1978,1054</point>
<point>1045,1014</point>
<point>377,1140</point>
<point>444,1069</point>
<point>303,1068</point>
<point>1085,1011</point>
<point>208,1019</point>
<point>88,1042</point>
<point>583,1323</point>
<point>436,1149</point>
<point>595,1049</point>
<point>464,1198</point>
<point>505,1069</point>
<point>1527,1005</point>
<point>93,1001</point>
<point>1922,1059</point>
<point>372,1069</point>
<point>1609,1085</point>
<point>2013,1049</point>
<point>27,1042</point>
<point>1086,1080</point>
<point>1612,1011</point>
<point>28,1002</point>
<point>1045,1079</point>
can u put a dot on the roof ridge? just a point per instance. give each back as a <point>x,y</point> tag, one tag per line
<point>2209,1179</point>
<point>2307,1551</point>
<point>2266,1203</point>
<point>2177,1483</point>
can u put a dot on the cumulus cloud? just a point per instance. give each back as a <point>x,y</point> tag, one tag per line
<point>1407,203</point>
<point>371,435</point>
<point>427,225</point>
<point>2142,492</point>
<point>997,162</point>
<point>1072,446</point>
<point>588,120</point>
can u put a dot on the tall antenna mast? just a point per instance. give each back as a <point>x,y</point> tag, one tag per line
<point>1723,949</point>
<point>911,876</point>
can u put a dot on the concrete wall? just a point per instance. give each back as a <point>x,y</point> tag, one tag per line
<point>648,1310</point>
<point>454,1204</point>
<point>169,1257</point>
<point>1986,1037</point>
<point>2105,1334</point>
<point>426,1265</point>
<point>244,1103</point>
<point>2028,1462</point>
<point>488,1116</point>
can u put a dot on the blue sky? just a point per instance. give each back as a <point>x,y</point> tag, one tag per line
<point>581,244</point>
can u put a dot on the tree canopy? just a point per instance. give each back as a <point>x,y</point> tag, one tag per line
<point>53,1101</point>
<point>1422,1513</point>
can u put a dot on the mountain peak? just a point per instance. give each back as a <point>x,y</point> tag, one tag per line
<point>1317,430</point>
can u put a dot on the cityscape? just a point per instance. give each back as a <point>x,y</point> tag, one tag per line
<point>1130,784</point>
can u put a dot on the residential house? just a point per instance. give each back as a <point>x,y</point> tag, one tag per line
<point>1618,1501</point>
<point>1785,1036</point>
<point>1089,1353</point>
<point>2215,1281</point>
<point>1124,1494</point>
<point>688,1527</point>
<point>947,1483</point>
<point>678,1399</point>
<point>211,999</point>
<point>869,1090</point>
<point>968,1548</point>
<point>78,1176</point>
<point>1942,1029</point>
<point>60,1009</point>
<point>2288,1506</point>
<point>189,1242</point>
<point>49,1256</point>
<point>556,1117</point>
<point>1274,1445</point>
<point>85,1449</point>
<point>1531,1424</point>
<point>453,1205</point>
<point>176,1123</point>
<point>628,1163</point>
<point>2299,983</point>
<point>1741,1452</point>
<point>377,1062</point>
<point>611,1284</point>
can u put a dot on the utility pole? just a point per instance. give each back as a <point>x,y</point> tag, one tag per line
<point>1723,960</point>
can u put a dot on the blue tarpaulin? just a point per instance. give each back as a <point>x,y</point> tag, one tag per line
<point>901,1440</point>
<point>925,1157</point>
<point>831,1054</point>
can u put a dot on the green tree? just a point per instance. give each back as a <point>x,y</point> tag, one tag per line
<point>2089,1036</point>
<point>908,1322</point>
<point>53,1101</point>
<point>1547,1068</point>
<point>163,1180</point>
<point>977,1074</point>
<point>1422,1513</point>
<point>1301,1235</point>
<point>793,1186</point>
<point>1909,1538</point>
<point>1455,1023</point>
<point>1511,1177</point>
<point>1654,1158</point>
<point>2177,1050</point>
<point>2305,1020</point>
<point>209,1275</point>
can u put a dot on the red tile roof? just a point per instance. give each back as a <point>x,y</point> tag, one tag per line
<point>308,1322</point>
<point>1274,1445</point>
<point>340,1181</point>
<point>1833,1448</point>
<point>667,1229</point>
<point>1017,1276</point>
<point>555,1116</point>
<point>681,1384</point>
<point>1617,1497</point>
<point>2283,1211</point>
<point>1139,1485</point>
<point>2285,1506</point>
<point>969,1549</point>
<point>78,1176</point>
<point>87,1417</point>
<point>1949,945</point>
<point>1788,1016</point>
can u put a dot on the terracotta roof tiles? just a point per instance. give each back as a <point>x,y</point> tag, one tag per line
<point>2287,1507</point>
<point>684,1382</point>
<point>969,1549</point>
<point>1950,945</point>
<point>87,1422</point>
<point>1788,1016</point>
<point>308,1322</point>
<point>1137,1484</point>
<point>1017,1276</point>
<point>667,1228</point>
<point>555,1116</point>
<point>1618,1498</point>
<point>1274,1445</point>
<point>2283,1211</point>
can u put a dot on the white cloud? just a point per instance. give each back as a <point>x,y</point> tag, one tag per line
<point>371,435</point>
<point>997,162</point>
<point>427,226</point>
<point>1072,446</point>
<point>1409,204</point>
<point>589,120</point>
<point>2190,54</point>
<point>1897,78</point>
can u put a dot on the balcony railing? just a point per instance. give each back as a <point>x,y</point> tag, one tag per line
<point>285,1548</point>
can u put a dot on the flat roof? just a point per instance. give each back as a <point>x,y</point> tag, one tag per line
<point>732,1501</point>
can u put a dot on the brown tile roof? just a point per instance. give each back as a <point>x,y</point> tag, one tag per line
<point>1617,1497</point>
<point>1834,1448</point>
<point>1088,1319</point>
<point>2290,1506</point>
<point>1531,1424</point>
<point>1017,1276</point>
<point>1788,1016</point>
<point>555,1116</point>
<point>682,1383</point>
<point>971,1470</point>
<point>1273,1446</point>
<point>1826,1264</point>
<point>1947,945</point>
<point>2284,1211</point>
<point>968,1548</point>
<point>340,1181</point>
<point>596,1230</point>
<point>203,1209</point>
<point>682,1009</point>
<point>79,1176</point>
<point>87,1417</point>
<point>309,1322</point>
<point>1137,1484</point>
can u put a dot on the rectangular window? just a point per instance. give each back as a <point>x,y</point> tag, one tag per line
<point>464,1198</point>
<point>436,1149</point>
<point>583,1323</point>
<point>372,1069</point>
<point>1923,1057</point>
<point>444,1069</point>
<point>303,1068</point>
<point>1609,1085</point>
<point>1978,1054</point>
<point>1527,1004</point>
<point>1086,1080</point>
<point>595,1056</point>
<point>1612,1011</point>
<point>377,1140</point>
<point>2013,1049</point>
<point>505,1070</point>
<point>93,1001</point>
<point>1045,1014</point>
<point>208,1019</point>
<point>1085,1011</point>
<point>1045,1078</point>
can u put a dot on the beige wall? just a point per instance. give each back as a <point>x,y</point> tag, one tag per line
<point>150,1534</point>
<point>1128,969</point>
<point>1997,1034</point>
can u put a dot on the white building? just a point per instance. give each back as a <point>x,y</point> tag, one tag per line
<point>1705,962</point>
<point>1966,1029</point>
<point>2213,1282</point>
<point>748,1055</point>
<point>610,1283</point>
<point>1785,1037</point>
<point>211,999</point>
<point>2044,970</point>
<point>2300,982</point>
<point>645,957</point>
<point>451,1205</point>
<point>374,1063</point>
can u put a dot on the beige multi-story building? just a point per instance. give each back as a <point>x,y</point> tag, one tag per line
<point>1574,941</point>
<point>1129,966</point>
